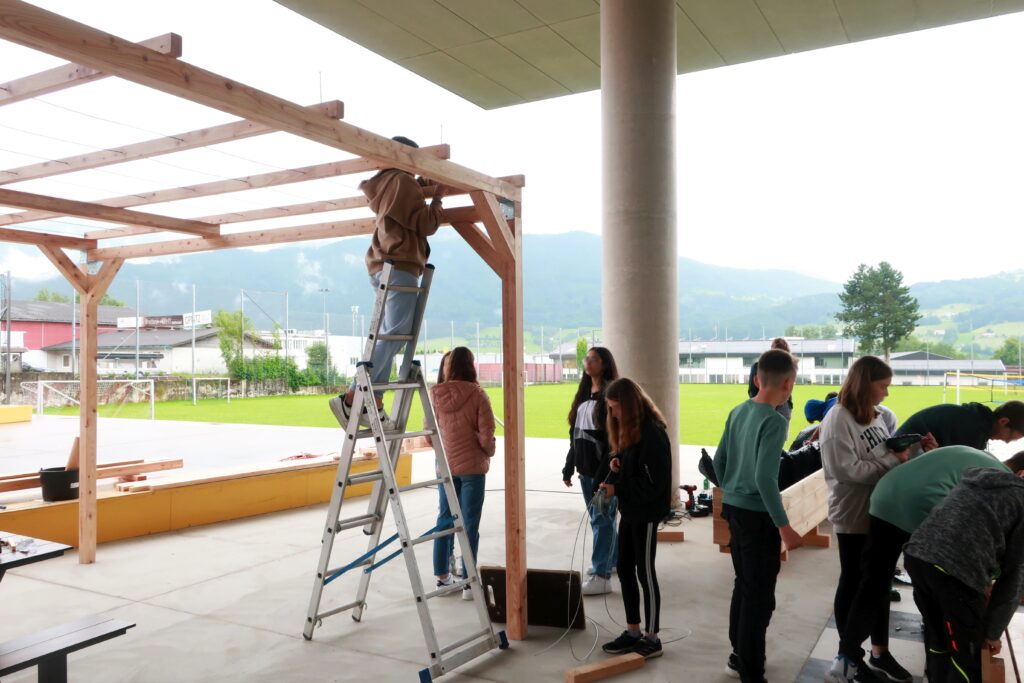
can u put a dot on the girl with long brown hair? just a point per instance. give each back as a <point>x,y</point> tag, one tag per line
<point>588,455</point>
<point>641,478</point>
<point>854,457</point>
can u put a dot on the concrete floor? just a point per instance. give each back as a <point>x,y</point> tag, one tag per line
<point>227,602</point>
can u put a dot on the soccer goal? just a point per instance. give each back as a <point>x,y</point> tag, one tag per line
<point>983,388</point>
<point>211,387</point>
<point>116,392</point>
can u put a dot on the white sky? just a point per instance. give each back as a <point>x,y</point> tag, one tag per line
<point>906,149</point>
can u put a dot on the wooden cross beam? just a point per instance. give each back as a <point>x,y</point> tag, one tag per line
<point>39,29</point>
<point>272,179</point>
<point>99,212</point>
<point>45,238</point>
<point>69,75</point>
<point>204,137</point>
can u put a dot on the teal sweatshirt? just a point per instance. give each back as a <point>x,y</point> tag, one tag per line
<point>747,459</point>
<point>905,495</point>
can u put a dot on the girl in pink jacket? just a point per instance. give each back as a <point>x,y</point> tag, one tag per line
<point>466,425</point>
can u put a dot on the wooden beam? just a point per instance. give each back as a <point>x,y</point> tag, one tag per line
<point>69,75</point>
<point>236,130</point>
<point>99,212</point>
<point>245,216</point>
<point>482,246</point>
<point>302,233</point>
<point>45,238</point>
<point>78,278</point>
<point>106,275</point>
<point>39,29</point>
<point>251,238</point>
<point>605,668</point>
<point>494,220</point>
<point>272,179</point>
<point>515,439</point>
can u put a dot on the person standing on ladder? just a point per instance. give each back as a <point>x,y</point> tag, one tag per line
<point>404,222</point>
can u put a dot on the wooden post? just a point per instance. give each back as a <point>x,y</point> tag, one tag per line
<point>515,436</point>
<point>91,289</point>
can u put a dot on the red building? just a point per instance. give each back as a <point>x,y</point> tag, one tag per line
<point>46,323</point>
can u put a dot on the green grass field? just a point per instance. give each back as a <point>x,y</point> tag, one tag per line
<point>703,408</point>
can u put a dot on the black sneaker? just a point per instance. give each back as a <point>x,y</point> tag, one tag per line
<point>648,648</point>
<point>886,668</point>
<point>623,644</point>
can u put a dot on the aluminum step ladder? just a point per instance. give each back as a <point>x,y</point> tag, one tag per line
<point>388,437</point>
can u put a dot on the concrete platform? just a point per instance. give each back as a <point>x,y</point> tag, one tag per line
<point>226,602</point>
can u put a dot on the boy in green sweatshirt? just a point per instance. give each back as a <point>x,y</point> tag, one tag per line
<point>747,465</point>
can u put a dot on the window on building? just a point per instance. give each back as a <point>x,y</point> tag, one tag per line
<point>65,360</point>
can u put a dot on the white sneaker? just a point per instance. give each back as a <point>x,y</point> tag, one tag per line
<point>597,585</point>
<point>841,671</point>
<point>467,593</point>
<point>445,583</point>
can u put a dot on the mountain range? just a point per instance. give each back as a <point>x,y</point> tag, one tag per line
<point>562,283</point>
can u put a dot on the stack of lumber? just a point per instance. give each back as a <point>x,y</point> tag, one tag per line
<point>806,504</point>
<point>109,470</point>
<point>207,476</point>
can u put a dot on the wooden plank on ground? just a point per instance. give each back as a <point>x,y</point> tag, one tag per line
<point>224,474</point>
<point>112,471</point>
<point>673,536</point>
<point>605,668</point>
<point>22,475</point>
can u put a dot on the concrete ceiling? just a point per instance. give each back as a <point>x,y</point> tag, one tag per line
<point>497,53</point>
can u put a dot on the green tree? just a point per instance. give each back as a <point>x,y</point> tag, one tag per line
<point>878,308</point>
<point>108,300</point>
<point>1009,352</point>
<point>231,328</point>
<point>581,353</point>
<point>45,294</point>
<point>318,361</point>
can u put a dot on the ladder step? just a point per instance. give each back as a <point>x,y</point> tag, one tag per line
<point>468,639</point>
<point>421,485</point>
<point>438,534</point>
<point>364,478</point>
<point>468,654</point>
<point>394,386</point>
<point>336,610</point>
<point>404,288</point>
<point>352,523</point>
<point>395,337</point>
<point>456,586</point>
<point>395,436</point>
<point>357,565</point>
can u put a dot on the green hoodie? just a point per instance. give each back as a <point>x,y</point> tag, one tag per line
<point>747,459</point>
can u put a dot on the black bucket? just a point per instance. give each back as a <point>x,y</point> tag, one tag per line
<point>58,483</point>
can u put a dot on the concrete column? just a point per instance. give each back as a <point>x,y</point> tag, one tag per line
<point>639,295</point>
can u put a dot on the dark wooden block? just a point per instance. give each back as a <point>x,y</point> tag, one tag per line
<point>553,597</point>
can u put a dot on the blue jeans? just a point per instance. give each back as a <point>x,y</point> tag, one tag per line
<point>470,490</point>
<point>398,318</point>
<point>606,539</point>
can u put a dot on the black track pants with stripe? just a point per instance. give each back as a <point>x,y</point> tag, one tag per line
<point>638,544</point>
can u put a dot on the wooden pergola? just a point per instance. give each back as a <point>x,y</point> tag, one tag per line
<point>156,64</point>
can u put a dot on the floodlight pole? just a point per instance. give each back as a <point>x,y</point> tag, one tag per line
<point>7,367</point>
<point>286,323</point>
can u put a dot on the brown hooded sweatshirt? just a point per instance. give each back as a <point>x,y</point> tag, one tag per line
<point>466,422</point>
<point>404,221</point>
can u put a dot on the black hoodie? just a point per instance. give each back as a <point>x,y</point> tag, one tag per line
<point>643,483</point>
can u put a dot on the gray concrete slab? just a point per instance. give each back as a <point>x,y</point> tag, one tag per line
<point>227,601</point>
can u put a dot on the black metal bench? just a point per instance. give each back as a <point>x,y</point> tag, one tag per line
<point>49,649</point>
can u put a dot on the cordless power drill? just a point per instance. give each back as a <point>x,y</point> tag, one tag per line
<point>692,506</point>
